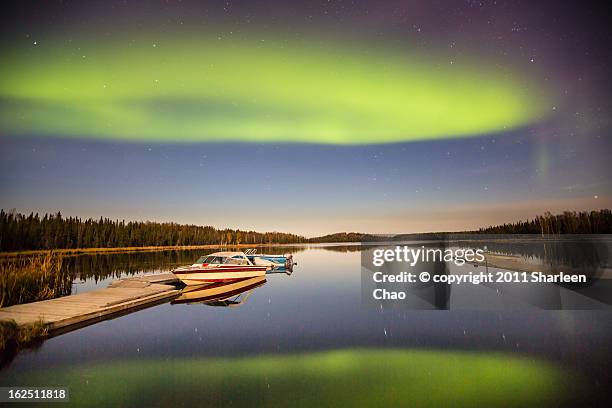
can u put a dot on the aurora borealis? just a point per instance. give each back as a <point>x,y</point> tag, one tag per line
<point>305,117</point>
<point>257,89</point>
<point>305,378</point>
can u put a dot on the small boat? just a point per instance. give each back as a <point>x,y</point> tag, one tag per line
<point>219,267</point>
<point>272,261</point>
<point>227,294</point>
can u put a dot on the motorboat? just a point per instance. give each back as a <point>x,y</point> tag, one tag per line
<point>226,294</point>
<point>274,262</point>
<point>219,267</point>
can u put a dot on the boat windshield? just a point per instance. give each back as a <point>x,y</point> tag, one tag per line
<point>211,260</point>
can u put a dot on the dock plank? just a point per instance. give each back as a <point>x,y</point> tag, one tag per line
<point>77,310</point>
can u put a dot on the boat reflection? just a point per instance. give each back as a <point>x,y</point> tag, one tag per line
<point>223,294</point>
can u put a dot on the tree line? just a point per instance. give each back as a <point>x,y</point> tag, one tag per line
<point>54,231</point>
<point>569,222</point>
<point>339,237</point>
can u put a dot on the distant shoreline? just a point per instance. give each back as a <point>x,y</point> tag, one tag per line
<point>85,251</point>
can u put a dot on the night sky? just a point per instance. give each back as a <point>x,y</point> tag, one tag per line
<point>306,117</point>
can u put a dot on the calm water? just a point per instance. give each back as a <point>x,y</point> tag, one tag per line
<point>317,308</point>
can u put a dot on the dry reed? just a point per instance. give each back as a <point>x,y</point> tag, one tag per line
<point>34,278</point>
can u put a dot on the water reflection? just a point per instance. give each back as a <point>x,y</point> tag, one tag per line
<point>588,254</point>
<point>93,271</point>
<point>317,309</point>
<point>354,377</point>
<point>225,294</point>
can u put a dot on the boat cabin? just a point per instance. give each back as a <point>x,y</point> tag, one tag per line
<point>218,258</point>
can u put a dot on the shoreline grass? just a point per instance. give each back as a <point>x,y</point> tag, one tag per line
<point>33,278</point>
<point>84,251</point>
<point>15,337</point>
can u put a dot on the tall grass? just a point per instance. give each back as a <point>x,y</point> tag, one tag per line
<point>29,279</point>
<point>23,335</point>
<point>14,338</point>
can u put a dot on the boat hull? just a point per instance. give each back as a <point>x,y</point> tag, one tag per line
<point>198,276</point>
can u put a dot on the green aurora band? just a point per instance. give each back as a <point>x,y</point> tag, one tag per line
<point>352,377</point>
<point>190,89</point>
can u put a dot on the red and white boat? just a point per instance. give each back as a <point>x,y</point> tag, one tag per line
<point>219,267</point>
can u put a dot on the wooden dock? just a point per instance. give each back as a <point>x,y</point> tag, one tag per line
<point>70,312</point>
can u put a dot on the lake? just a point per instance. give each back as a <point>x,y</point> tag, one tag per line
<point>306,338</point>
